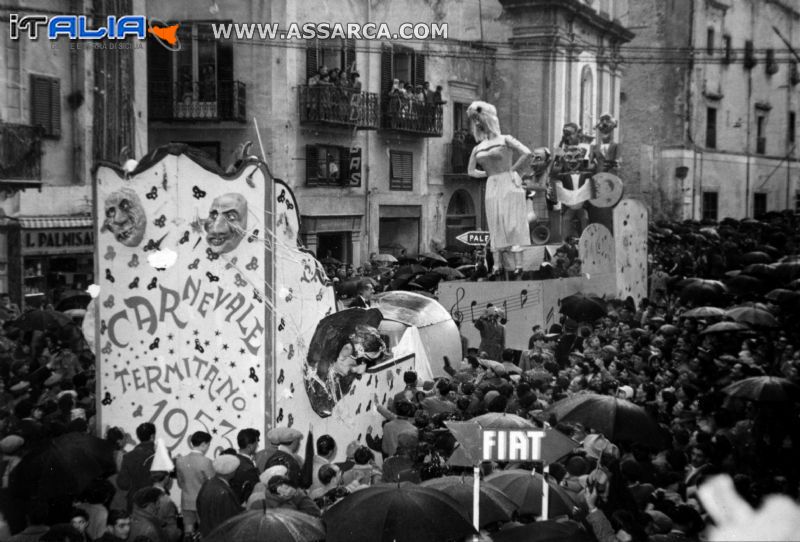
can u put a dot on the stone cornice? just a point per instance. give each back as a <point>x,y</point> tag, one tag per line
<point>577,9</point>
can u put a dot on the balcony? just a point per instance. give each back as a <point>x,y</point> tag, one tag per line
<point>20,156</point>
<point>456,158</point>
<point>411,117</point>
<point>212,101</point>
<point>338,106</point>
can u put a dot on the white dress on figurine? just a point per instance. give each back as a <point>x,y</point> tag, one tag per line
<point>506,210</point>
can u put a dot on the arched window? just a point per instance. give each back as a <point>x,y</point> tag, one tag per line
<point>460,217</point>
<point>587,100</point>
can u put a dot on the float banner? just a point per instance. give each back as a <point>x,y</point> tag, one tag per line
<point>183,323</point>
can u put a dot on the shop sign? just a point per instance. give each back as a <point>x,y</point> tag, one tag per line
<point>53,241</point>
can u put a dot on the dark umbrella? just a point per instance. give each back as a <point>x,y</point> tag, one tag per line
<point>769,249</point>
<point>705,312</point>
<point>524,487</point>
<point>725,327</point>
<point>274,524</point>
<point>433,256</point>
<point>760,270</point>
<point>702,290</point>
<point>756,257</point>
<point>66,465</point>
<point>544,531</point>
<point>494,504</point>
<point>448,273</point>
<point>73,300</point>
<point>784,298</point>
<point>617,419</point>
<point>41,320</point>
<point>787,271</point>
<point>413,269</point>
<point>795,284</point>
<point>753,316</point>
<point>583,308</point>
<point>746,283</point>
<point>765,389</point>
<point>403,513</point>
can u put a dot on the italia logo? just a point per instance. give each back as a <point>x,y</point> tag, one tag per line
<point>79,27</point>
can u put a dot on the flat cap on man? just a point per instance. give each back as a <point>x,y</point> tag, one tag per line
<point>226,464</point>
<point>283,435</point>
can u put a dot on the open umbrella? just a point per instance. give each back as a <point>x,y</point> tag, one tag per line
<point>760,270</point>
<point>524,487</point>
<point>396,513</point>
<point>764,389</point>
<point>746,284</point>
<point>448,273</point>
<point>494,505</point>
<point>725,327</point>
<point>413,269</point>
<point>385,258</point>
<point>583,308</point>
<point>617,419</point>
<point>753,316</point>
<point>433,256</point>
<point>704,312</point>
<point>41,320</point>
<point>787,271</point>
<point>783,297</point>
<point>794,285</point>
<point>751,305</point>
<point>544,531</point>
<point>274,524</point>
<point>66,465</point>
<point>73,300</point>
<point>702,290</point>
<point>756,257</point>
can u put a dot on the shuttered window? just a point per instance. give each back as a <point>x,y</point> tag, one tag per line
<point>46,104</point>
<point>335,53</point>
<point>328,165</point>
<point>401,176</point>
<point>401,63</point>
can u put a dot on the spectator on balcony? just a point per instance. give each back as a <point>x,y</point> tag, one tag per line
<point>321,77</point>
<point>335,76</point>
<point>396,89</point>
<point>437,96</point>
<point>355,82</point>
<point>429,94</point>
<point>419,94</point>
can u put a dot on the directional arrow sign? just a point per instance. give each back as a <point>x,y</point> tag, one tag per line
<point>474,238</point>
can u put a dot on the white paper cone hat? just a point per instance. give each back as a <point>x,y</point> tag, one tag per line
<point>161,460</point>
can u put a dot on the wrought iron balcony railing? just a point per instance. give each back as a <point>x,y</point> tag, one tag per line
<point>20,153</point>
<point>338,106</point>
<point>198,101</point>
<point>411,116</point>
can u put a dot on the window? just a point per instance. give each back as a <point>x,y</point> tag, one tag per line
<point>401,176</point>
<point>761,138</point>
<point>728,49</point>
<point>46,105</point>
<point>711,127</point>
<point>749,55</point>
<point>790,136</point>
<point>333,53</point>
<point>771,65</point>
<point>210,148</point>
<point>402,63</point>
<point>329,165</point>
<point>797,202</point>
<point>460,119</point>
<point>794,74</point>
<point>759,204</point>
<point>710,206</point>
<point>710,40</point>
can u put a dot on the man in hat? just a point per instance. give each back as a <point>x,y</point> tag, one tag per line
<point>193,470</point>
<point>288,441</point>
<point>216,501</point>
<point>493,333</point>
<point>134,473</point>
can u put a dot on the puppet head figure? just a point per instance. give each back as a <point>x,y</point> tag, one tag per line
<point>573,158</point>
<point>606,126</point>
<point>540,159</point>
<point>125,217</point>
<point>485,124</point>
<point>226,223</point>
<point>570,134</point>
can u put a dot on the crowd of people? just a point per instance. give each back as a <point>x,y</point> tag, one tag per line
<point>656,355</point>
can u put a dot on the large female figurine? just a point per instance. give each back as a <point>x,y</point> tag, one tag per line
<point>505,204</point>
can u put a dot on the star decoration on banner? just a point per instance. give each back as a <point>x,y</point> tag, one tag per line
<point>233,365</point>
<point>217,333</point>
<point>195,333</point>
<point>170,336</point>
<point>191,396</point>
<point>224,346</point>
<point>241,350</point>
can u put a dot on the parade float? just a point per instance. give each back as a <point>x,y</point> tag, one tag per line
<point>210,315</point>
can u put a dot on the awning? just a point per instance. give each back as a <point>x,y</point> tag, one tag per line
<point>54,222</point>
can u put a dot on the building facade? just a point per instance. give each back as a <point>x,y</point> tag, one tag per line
<point>709,107</point>
<point>62,108</point>
<point>373,174</point>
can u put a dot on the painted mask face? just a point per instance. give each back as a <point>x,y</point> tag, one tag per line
<point>606,124</point>
<point>573,157</point>
<point>539,162</point>
<point>226,222</point>
<point>125,217</point>
<point>571,134</point>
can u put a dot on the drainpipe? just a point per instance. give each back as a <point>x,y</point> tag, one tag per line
<point>365,158</point>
